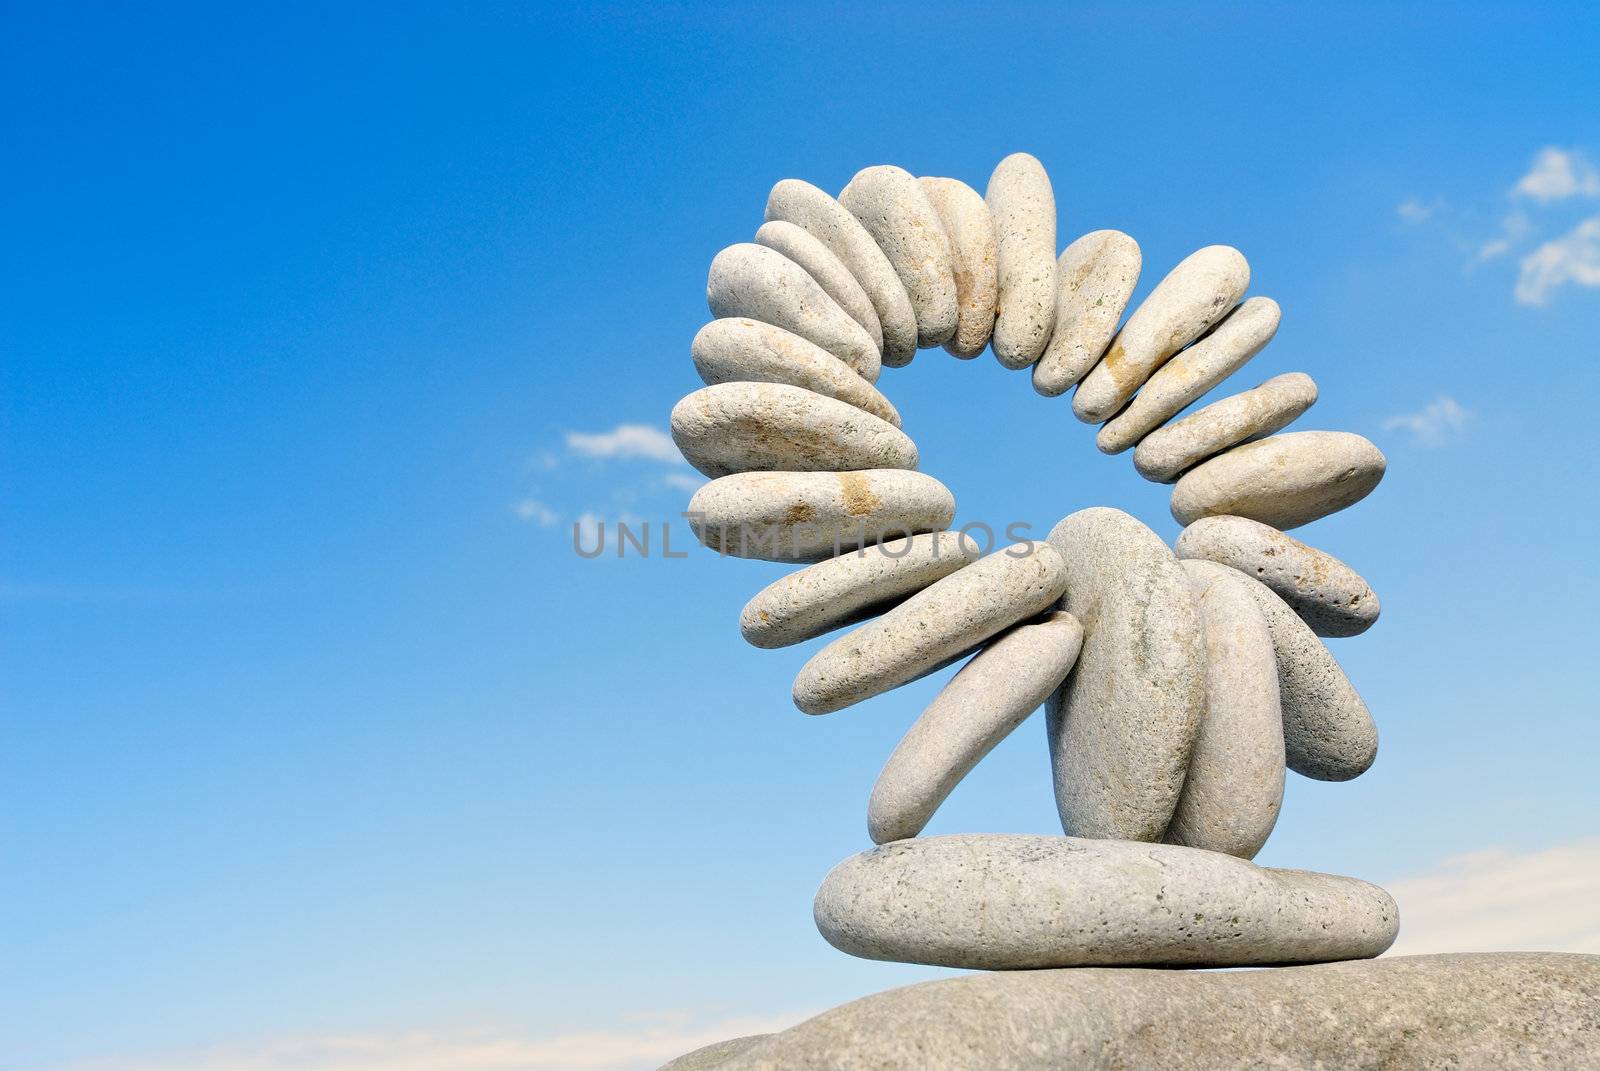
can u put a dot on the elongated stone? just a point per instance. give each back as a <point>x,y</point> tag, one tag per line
<point>974,261</point>
<point>1233,790</point>
<point>890,204</point>
<point>1182,307</point>
<point>763,284</point>
<point>1284,480</point>
<point>1122,726</point>
<point>1169,452</point>
<point>737,349</point>
<point>932,628</point>
<point>856,585</point>
<point>832,224</point>
<point>1243,334</point>
<point>1328,595</point>
<point>796,243</point>
<point>1008,902</point>
<point>1024,209</point>
<point>1095,278</point>
<point>991,695</point>
<point>808,516</point>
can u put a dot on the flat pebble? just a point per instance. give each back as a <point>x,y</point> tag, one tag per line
<point>797,243</point>
<point>932,628</point>
<point>1182,307</point>
<point>1167,453</point>
<point>854,586</point>
<point>1024,209</point>
<point>974,259</point>
<point>809,516</point>
<point>991,695</point>
<point>1122,726</point>
<point>890,204</point>
<point>763,284</point>
<point>1328,595</point>
<point>1283,480</point>
<point>826,220</point>
<point>1095,278</point>
<point>737,349</point>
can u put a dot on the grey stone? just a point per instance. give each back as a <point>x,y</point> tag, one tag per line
<point>1243,334</point>
<point>1167,453</point>
<point>1013,901</point>
<point>1182,307</point>
<point>1283,480</point>
<point>1024,209</point>
<point>932,628</point>
<point>854,586</point>
<point>1328,595</point>
<point>808,516</point>
<point>715,1055</point>
<point>832,224</point>
<point>773,427</point>
<point>1234,788</point>
<point>737,349</point>
<point>974,260</point>
<point>763,284</point>
<point>890,204</point>
<point>1122,726</point>
<point>1095,278</point>
<point>1475,1012</point>
<point>991,695</point>
<point>797,243</point>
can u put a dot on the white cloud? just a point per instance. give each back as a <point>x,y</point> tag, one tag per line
<point>543,461</point>
<point>1572,258</point>
<point>1434,423</point>
<point>626,440</point>
<point>1556,175</point>
<point>682,481</point>
<point>531,509</point>
<point>1415,210</point>
<point>1498,900</point>
<point>1513,229</point>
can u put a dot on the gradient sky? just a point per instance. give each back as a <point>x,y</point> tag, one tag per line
<point>318,330</point>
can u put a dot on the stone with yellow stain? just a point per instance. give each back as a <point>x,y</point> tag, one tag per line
<point>892,206</point>
<point>1283,480</point>
<point>737,349</point>
<point>973,254</point>
<point>1024,210</point>
<point>1169,452</point>
<point>796,243</point>
<point>1095,278</point>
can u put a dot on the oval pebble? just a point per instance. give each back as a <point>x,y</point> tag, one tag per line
<point>808,516</point>
<point>773,427</point>
<point>737,349</point>
<point>1122,726</point>
<point>974,261</point>
<point>990,696</point>
<point>1283,480</point>
<point>1182,307</point>
<point>933,627</point>
<point>751,280</point>
<point>852,587</point>
<point>1328,595</point>
<point>830,223</point>
<point>1008,902</point>
<point>1169,452</point>
<point>890,204</point>
<point>1095,278</point>
<point>796,243</point>
<point>1243,334</point>
<point>1024,210</point>
<point>1234,788</point>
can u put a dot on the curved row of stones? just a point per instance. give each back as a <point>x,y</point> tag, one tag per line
<point>1179,683</point>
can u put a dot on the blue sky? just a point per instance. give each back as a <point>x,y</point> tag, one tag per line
<point>320,743</point>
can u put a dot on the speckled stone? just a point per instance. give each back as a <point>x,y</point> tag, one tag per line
<point>1328,595</point>
<point>797,243</point>
<point>1095,278</point>
<point>809,516</point>
<point>932,628</point>
<point>1243,334</point>
<point>1122,726</point>
<point>773,427</point>
<point>1182,307</point>
<point>763,284</point>
<point>890,204</point>
<point>832,224</point>
<point>1014,901</point>
<point>1234,788</point>
<point>1169,452</point>
<point>991,695</point>
<point>1024,210</point>
<point>852,587</point>
<point>740,350</point>
<point>713,1056</point>
<point>1284,480</point>
<point>974,259</point>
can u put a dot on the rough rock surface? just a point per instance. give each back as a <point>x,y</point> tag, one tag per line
<point>1283,480</point>
<point>797,243</point>
<point>973,254</point>
<point>738,349</point>
<point>892,206</point>
<point>1167,453</point>
<point>1024,209</point>
<point>1095,278</point>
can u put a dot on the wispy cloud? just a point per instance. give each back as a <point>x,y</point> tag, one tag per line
<point>1573,258</point>
<point>1435,423</point>
<point>626,441</point>
<point>1557,174</point>
<point>1513,229</point>
<point>544,461</point>
<point>536,512</point>
<point>682,481</point>
<point>1416,210</point>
